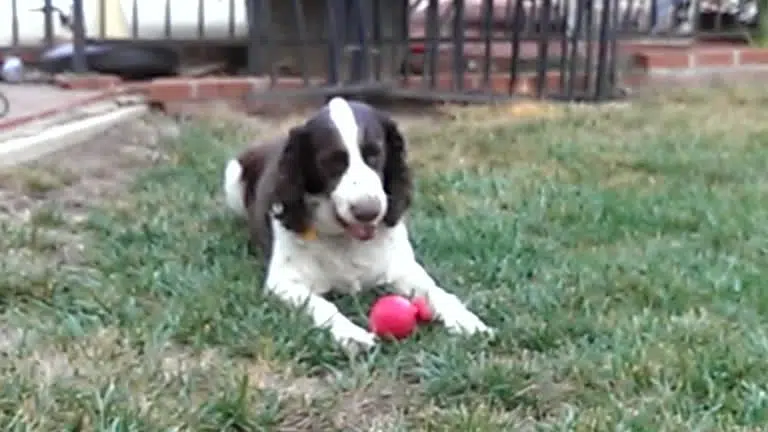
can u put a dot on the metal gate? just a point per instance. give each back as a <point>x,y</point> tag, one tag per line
<point>454,50</point>
<point>441,50</point>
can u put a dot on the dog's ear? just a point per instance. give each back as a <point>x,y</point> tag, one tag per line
<point>397,175</point>
<point>288,204</point>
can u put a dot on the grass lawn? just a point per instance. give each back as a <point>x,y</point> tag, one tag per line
<point>619,251</point>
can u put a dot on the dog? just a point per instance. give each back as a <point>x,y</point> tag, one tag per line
<point>325,205</point>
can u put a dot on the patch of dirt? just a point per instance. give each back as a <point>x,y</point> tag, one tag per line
<point>317,402</point>
<point>43,202</point>
<point>156,373</point>
<point>79,175</point>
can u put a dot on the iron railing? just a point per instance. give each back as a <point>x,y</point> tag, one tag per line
<point>657,19</point>
<point>460,50</point>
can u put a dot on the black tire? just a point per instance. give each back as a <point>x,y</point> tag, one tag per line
<point>135,62</point>
<point>127,62</point>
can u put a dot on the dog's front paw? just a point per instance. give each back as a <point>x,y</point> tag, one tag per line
<point>466,322</point>
<point>353,337</point>
<point>457,318</point>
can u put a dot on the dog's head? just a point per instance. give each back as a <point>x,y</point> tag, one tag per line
<point>343,171</point>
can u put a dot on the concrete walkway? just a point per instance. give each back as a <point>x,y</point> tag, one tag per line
<point>29,100</point>
<point>44,119</point>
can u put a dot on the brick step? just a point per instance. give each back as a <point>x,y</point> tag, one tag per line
<point>700,57</point>
<point>228,88</point>
<point>644,56</point>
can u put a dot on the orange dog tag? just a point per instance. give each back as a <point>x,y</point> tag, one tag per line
<point>309,234</point>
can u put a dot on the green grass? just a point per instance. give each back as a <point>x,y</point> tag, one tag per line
<point>619,251</point>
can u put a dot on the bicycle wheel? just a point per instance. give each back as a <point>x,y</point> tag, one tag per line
<point>5,105</point>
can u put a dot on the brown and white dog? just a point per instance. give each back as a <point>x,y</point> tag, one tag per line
<point>325,205</point>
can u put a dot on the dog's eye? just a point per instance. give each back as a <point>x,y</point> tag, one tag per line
<point>371,154</point>
<point>336,161</point>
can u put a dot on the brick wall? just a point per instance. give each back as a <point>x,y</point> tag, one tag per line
<point>700,59</point>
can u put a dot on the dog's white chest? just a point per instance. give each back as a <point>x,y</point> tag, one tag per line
<point>331,263</point>
<point>347,266</point>
<point>337,263</point>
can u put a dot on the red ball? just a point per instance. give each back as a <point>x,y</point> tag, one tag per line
<point>423,311</point>
<point>393,317</point>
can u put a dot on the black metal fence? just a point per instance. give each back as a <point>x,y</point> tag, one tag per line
<point>452,50</point>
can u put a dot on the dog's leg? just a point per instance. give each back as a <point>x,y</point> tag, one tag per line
<point>291,289</point>
<point>410,278</point>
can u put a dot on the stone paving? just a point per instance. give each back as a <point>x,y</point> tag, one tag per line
<point>29,101</point>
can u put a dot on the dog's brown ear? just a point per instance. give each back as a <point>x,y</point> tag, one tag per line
<point>288,204</point>
<point>397,175</point>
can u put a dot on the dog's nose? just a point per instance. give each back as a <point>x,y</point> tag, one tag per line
<point>366,210</point>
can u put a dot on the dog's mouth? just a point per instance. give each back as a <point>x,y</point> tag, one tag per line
<point>360,231</point>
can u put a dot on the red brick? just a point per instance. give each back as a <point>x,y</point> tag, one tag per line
<point>87,81</point>
<point>172,89</point>
<point>666,59</point>
<point>714,58</point>
<point>234,88</point>
<point>524,85</point>
<point>500,83</point>
<point>222,88</point>
<point>552,82</point>
<point>207,88</point>
<point>234,91</point>
<point>135,87</point>
<point>753,56</point>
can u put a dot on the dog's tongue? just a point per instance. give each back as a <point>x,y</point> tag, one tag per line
<point>361,232</point>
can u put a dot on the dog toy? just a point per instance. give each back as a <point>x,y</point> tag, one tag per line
<point>423,311</point>
<point>393,317</point>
